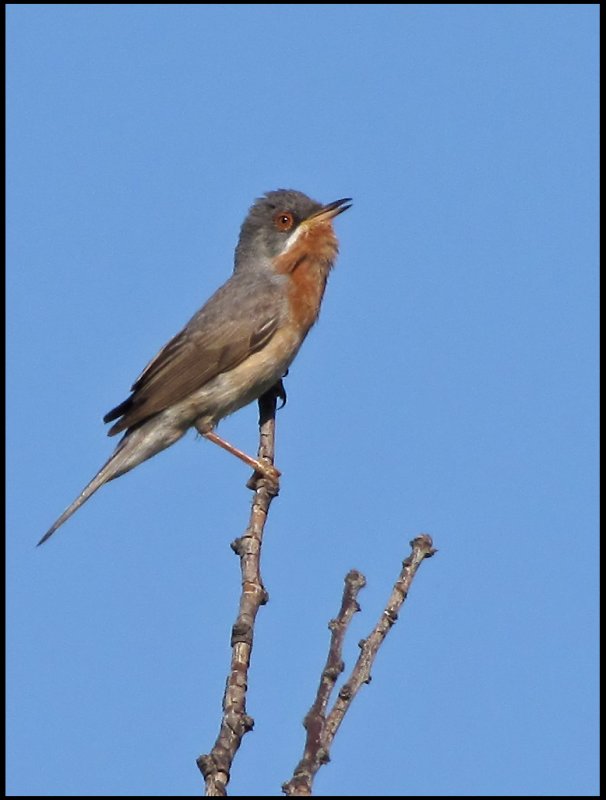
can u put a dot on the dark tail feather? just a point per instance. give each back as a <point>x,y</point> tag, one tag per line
<point>118,411</point>
<point>125,411</point>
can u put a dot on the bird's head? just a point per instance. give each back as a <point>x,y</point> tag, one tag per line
<point>286,224</point>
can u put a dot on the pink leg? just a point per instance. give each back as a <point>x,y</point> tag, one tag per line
<point>267,470</point>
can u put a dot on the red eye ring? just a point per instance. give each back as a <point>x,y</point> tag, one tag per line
<point>284,220</point>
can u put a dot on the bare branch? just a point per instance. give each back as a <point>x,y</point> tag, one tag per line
<point>322,729</point>
<point>216,765</point>
<point>315,753</point>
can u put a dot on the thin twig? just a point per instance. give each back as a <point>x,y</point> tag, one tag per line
<point>314,754</point>
<point>321,729</point>
<point>216,765</point>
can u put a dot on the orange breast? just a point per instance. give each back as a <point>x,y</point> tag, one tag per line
<point>308,263</point>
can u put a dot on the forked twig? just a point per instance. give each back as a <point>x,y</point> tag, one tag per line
<point>216,765</point>
<point>322,728</point>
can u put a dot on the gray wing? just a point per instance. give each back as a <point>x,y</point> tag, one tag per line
<point>239,319</point>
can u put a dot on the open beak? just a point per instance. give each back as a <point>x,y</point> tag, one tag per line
<point>326,213</point>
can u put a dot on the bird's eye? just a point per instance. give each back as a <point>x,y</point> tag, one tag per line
<point>284,220</point>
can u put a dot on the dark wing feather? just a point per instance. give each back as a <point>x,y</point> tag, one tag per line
<point>239,319</point>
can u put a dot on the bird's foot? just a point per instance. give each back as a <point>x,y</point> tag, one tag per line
<point>281,392</point>
<point>267,472</point>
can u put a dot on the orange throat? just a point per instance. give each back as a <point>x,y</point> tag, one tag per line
<point>308,262</point>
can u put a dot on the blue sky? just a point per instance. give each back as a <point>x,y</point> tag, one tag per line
<point>449,387</point>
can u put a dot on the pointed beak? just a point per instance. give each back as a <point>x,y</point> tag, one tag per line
<point>326,213</point>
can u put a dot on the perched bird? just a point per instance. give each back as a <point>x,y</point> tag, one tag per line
<point>238,345</point>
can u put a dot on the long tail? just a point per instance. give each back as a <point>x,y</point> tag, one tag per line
<point>104,475</point>
<point>135,446</point>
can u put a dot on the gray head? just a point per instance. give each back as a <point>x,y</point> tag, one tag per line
<point>272,222</point>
